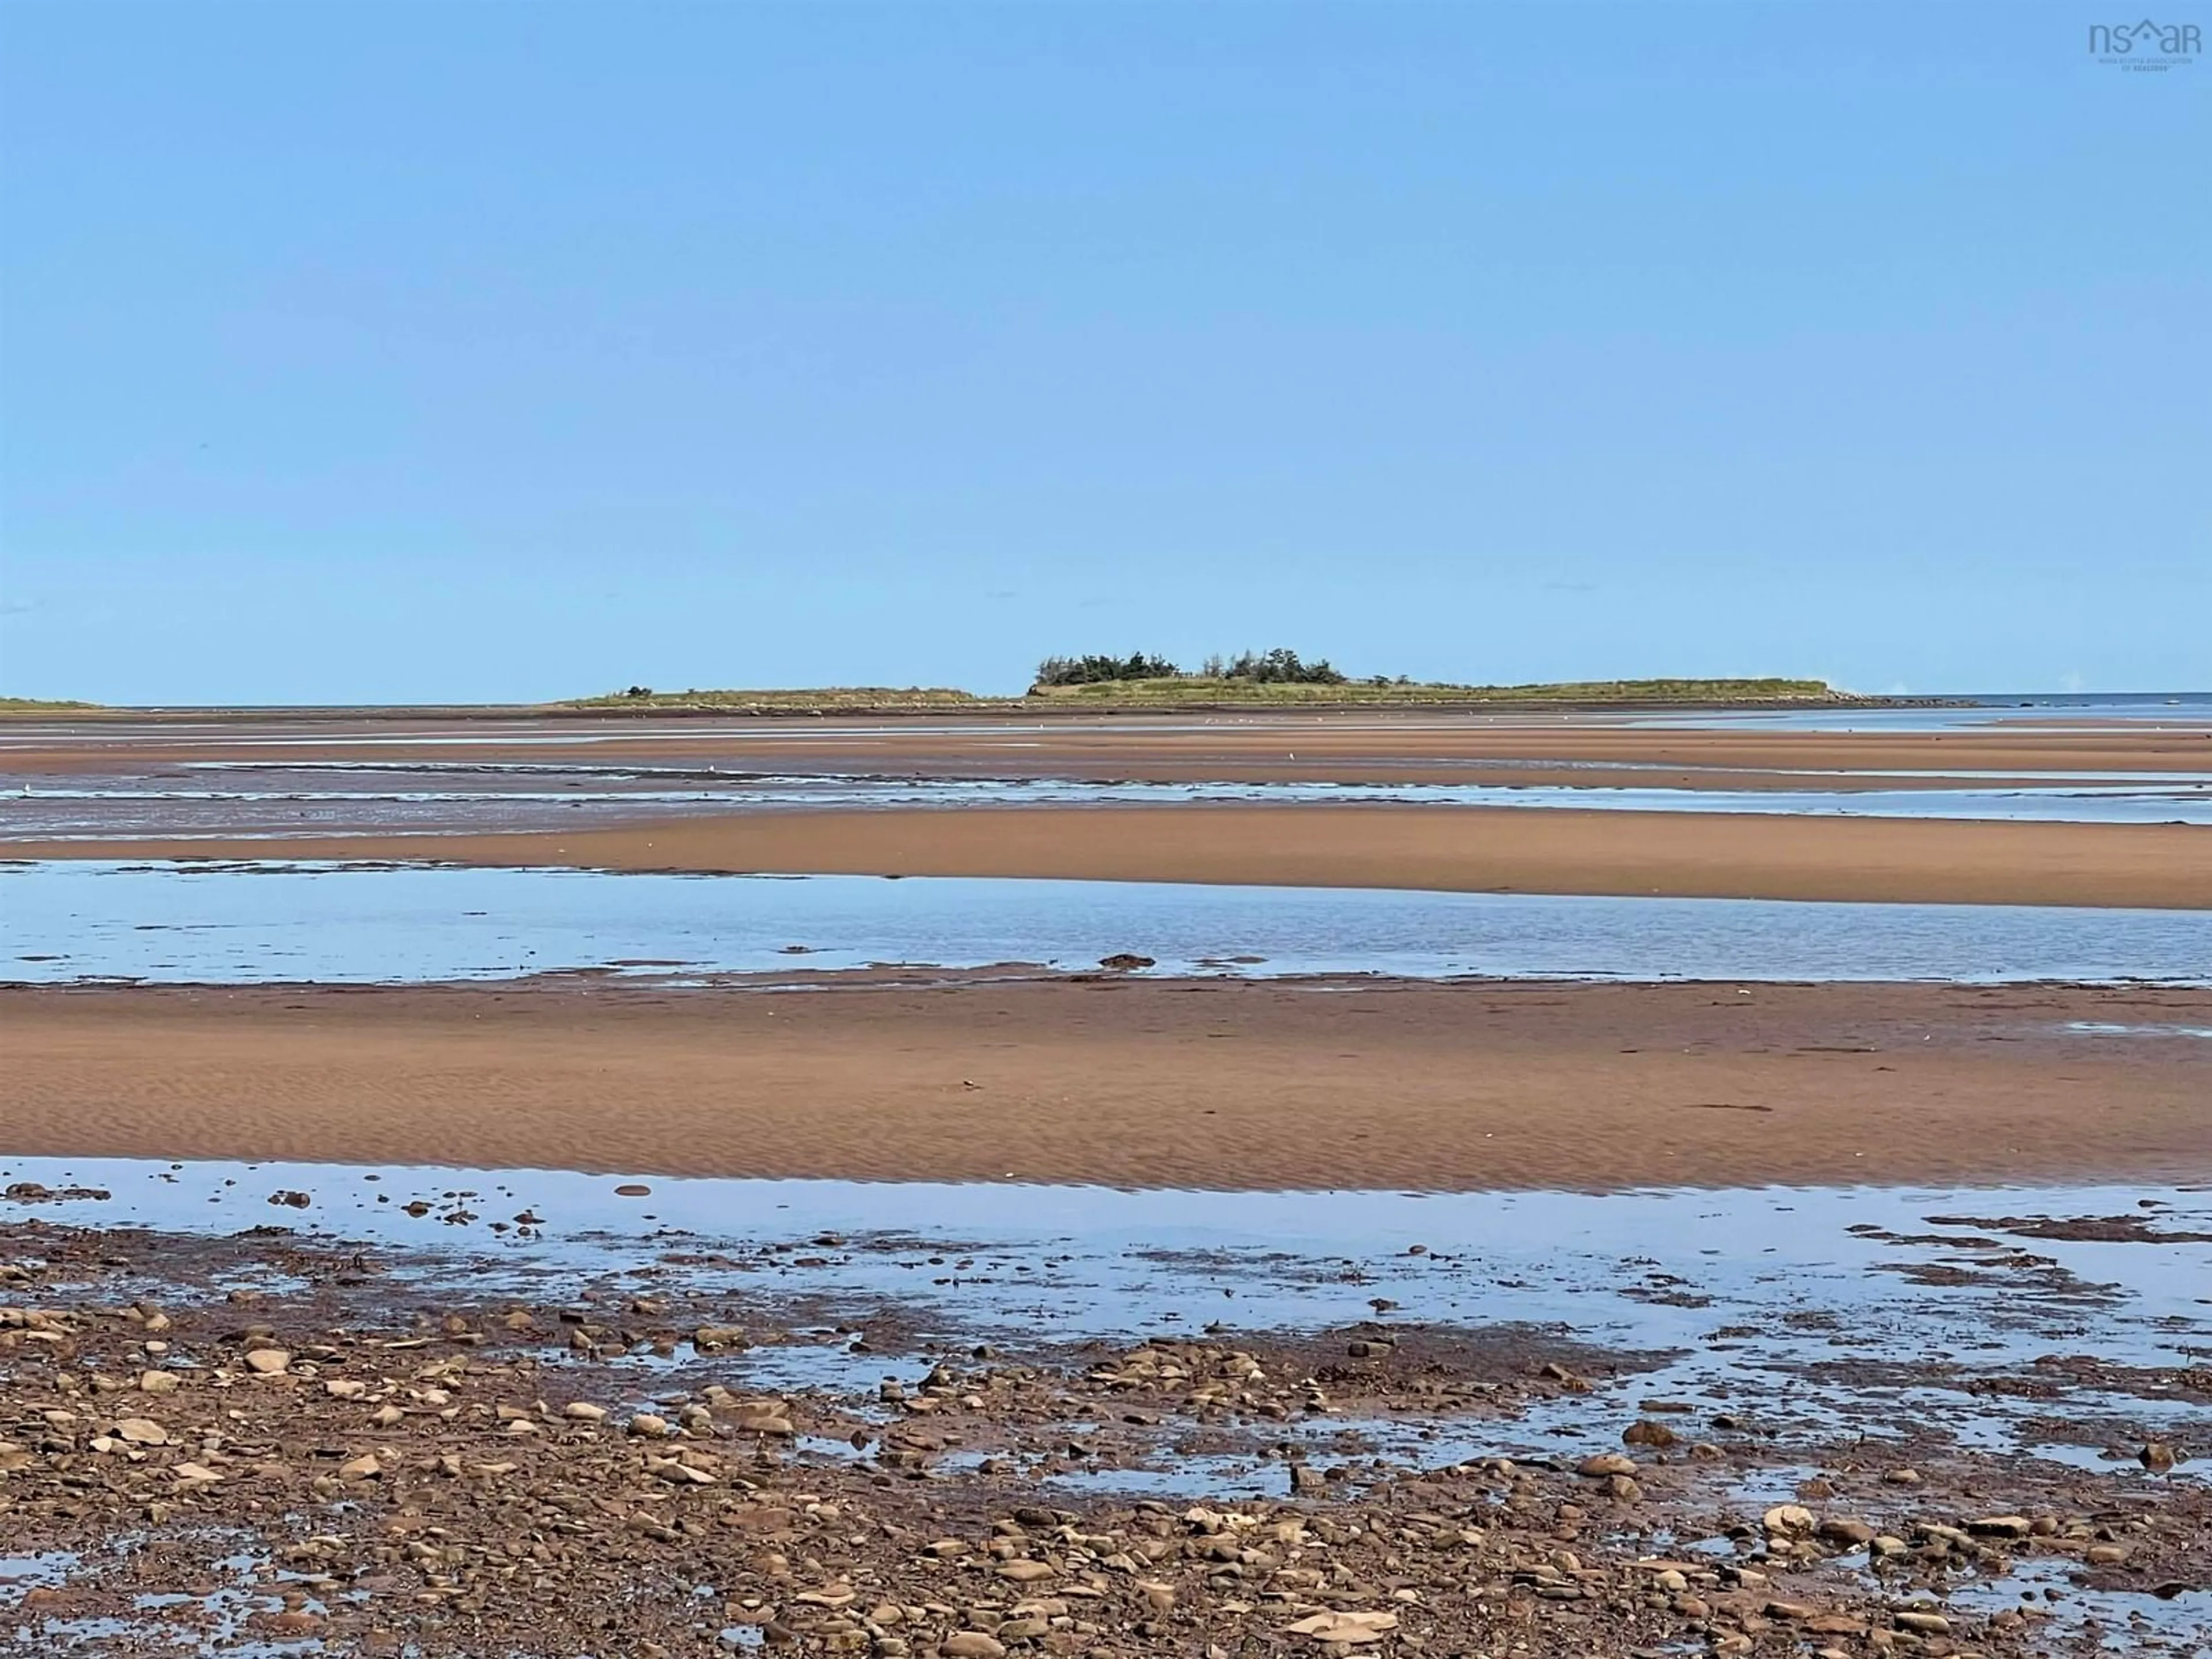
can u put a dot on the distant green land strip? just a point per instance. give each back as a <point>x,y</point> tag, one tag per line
<point>43,705</point>
<point>858,698</point>
<point>1202,691</point>
<point>1192,690</point>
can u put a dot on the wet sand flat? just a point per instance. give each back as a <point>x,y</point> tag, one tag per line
<point>1460,849</point>
<point>1500,746</point>
<point>1173,1084</point>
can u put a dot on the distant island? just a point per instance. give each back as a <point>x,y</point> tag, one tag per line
<point>1087,683</point>
<point>43,705</point>
<point>826,699</point>
<point>1194,691</point>
<point>1276,676</point>
<point>1281,675</point>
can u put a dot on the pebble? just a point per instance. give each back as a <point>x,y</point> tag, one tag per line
<point>570,1518</point>
<point>267,1362</point>
<point>1345,1628</point>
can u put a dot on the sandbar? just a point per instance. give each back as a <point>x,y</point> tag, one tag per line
<point>1464,849</point>
<point>1342,746</point>
<point>1196,1083</point>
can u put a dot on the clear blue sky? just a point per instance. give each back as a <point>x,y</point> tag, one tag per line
<point>463,350</point>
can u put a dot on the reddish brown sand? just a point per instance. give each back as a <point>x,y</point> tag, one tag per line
<point>1219,1084</point>
<point>1717,855</point>
<point>1706,855</point>
<point>1347,746</point>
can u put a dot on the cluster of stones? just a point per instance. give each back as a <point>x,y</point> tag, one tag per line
<point>490,1480</point>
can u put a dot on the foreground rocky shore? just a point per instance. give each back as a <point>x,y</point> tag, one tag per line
<point>255,1440</point>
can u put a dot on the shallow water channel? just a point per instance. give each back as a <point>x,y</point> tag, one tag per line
<point>232,799</point>
<point>1820,1312</point>
<point>260,922</point>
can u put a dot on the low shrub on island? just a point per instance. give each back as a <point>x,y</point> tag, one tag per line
<point>859,699</point>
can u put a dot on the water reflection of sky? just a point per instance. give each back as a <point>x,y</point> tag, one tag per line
<point>1795,1306</point>
<point>273,922</point>
<point>2057,711</point>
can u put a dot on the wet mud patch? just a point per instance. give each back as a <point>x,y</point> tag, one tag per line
<point>2101,1229</point>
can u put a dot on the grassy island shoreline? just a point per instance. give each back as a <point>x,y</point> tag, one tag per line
<point>1169,693</point>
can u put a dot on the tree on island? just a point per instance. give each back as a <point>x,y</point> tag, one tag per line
<point>1280,666</point>
<point>1098,670</point>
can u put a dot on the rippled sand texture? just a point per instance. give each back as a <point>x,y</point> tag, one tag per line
<point>1226,1084</point>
